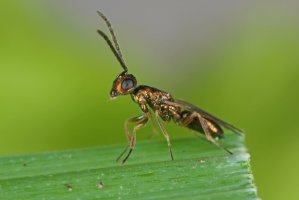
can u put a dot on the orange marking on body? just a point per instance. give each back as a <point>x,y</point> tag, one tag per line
<point>212,127</point>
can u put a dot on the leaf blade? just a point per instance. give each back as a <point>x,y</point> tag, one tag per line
<point>200,171</point>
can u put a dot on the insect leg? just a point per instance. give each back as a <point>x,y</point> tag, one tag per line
<point>165,134</point>
<point>127,132</point>
<point>205,127</point>
<point>115,48</point>
<point>154,125</point>
<point>142,122</point>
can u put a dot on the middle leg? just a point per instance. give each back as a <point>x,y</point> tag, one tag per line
<point>165,134</point>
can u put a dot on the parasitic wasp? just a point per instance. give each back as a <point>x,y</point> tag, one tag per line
<point>159,104</point>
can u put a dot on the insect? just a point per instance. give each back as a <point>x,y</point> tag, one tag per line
<point>159,104</point>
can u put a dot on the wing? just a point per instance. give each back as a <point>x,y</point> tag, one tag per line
<point>189,107</point>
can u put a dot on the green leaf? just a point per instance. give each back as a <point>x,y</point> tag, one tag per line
<point>200,171</point>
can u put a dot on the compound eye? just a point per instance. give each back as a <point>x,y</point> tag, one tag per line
<point>127,84</point>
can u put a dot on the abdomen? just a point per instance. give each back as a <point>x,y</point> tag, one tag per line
<point>215,130</point>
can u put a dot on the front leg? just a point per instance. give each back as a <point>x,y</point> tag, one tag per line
<point>140,121</point>
<point>127,132</point>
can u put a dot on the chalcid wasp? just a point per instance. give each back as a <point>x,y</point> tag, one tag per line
<point>159,104</point>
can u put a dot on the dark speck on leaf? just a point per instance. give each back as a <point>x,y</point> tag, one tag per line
<point>69,187</point>
<point>100,185</point>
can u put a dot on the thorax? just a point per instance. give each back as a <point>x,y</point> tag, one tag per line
<point>153,98</point>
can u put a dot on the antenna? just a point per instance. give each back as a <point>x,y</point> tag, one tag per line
<point>113,46</point>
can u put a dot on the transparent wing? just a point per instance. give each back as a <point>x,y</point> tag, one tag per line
<point>189,107</point>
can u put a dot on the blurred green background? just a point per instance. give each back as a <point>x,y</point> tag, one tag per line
<point>238,60</point>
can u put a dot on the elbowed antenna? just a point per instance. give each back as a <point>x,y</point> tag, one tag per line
<point>115,48</point>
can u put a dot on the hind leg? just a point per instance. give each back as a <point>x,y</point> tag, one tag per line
<point>206,126</point>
